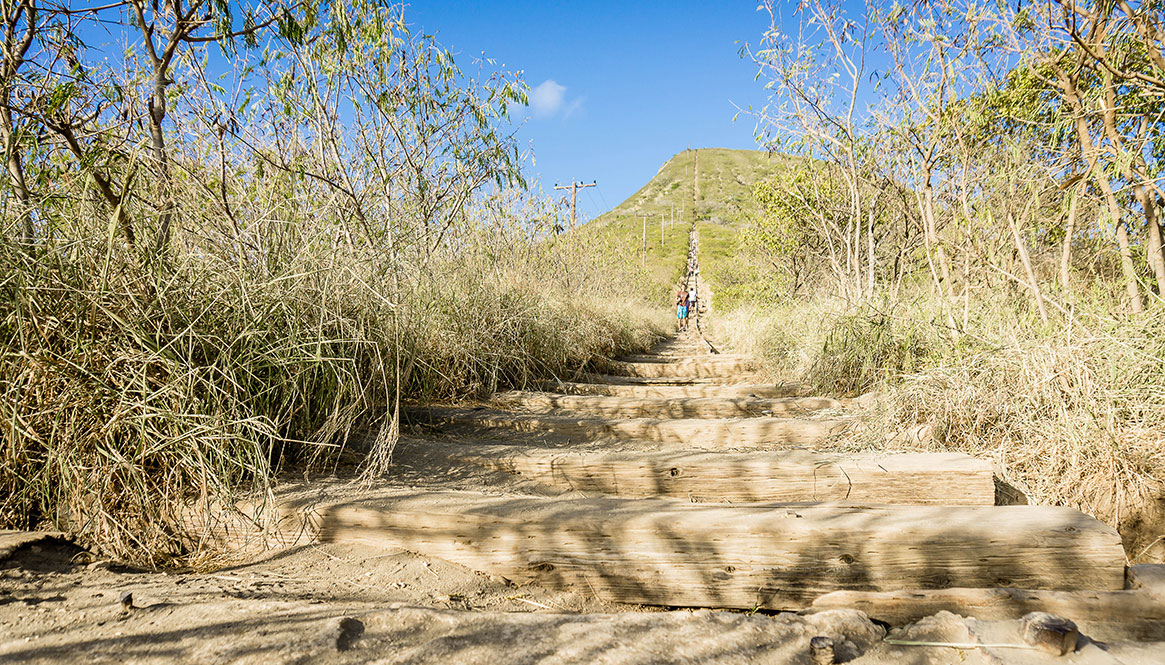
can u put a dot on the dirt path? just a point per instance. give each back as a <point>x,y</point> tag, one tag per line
<point>557,527</point>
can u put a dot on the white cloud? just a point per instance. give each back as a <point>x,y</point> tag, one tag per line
<point>547,98</point>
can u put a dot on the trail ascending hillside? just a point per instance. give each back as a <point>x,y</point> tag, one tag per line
<point>538,527</point>
<point>710,189</point>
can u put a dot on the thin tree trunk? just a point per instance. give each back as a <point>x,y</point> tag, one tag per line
<point>1127,267</point>
<point>104,185</point>
<point>1153,232</point>
<point>944,288</point>
<point>966,281</point>
<point>1034,285</point>
<point>1152,237</point>
<point>1069,231</point>
<point>17,181</point>
<point>871,263</point>
<point>1156,195</point>
<point>157,113</point>
<point>15,48</point>
<point>1068,87</point>
<point>934,279</point>
<point>184,22</point>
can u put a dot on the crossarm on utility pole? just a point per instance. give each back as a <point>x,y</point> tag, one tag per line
<point>574,187</point>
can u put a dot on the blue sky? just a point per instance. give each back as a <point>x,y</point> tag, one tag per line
<point>633,82</point>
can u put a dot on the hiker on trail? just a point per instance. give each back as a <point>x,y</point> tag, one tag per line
<point>681,309</point>
<point>693,304</point>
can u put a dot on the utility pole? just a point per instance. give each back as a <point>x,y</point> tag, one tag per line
<point>661,234</point>
<point>574,187</point>
<point>645,240</point>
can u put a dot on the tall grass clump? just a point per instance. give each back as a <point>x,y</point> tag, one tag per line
<point>130,393</point>
<point>1073,417</point>
<point>829,346</point>
<point>864,350</point>
<point>136,399</point>
<point>247,277</point>
<point>1071,414</point>
<point>779,335</point>
<point>471,331</point>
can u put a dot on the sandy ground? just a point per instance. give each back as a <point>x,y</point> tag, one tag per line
<point>326,604</point>
<point>329,603</point>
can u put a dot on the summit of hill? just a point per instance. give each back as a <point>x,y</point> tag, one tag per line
<point>711,187</point>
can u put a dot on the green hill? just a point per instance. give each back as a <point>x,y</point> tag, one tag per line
<point>723,205</point>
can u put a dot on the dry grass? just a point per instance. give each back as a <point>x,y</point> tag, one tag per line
<point>1072,415</point>
<point>137,400</point>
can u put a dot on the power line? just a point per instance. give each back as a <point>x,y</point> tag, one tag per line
<point>606,206</point>
<point>594,204</point>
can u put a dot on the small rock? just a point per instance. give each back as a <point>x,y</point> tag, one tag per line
<point>126,600</point>
<point>1048,632</point>
<point>348,630</point>
<point>821,649</point>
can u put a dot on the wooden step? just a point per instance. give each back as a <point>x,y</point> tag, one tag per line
<point>758,391</point>
<point>1149,577</point>
<point>668,552</point>
<point>634,407</point>
<point>616,380</point>
<point>682,352</point>
<point>1099,614</point>
<point>701,433</point>
<point>693,346</point>
<point>757,476</point>
<point>728,359</point>
<point>685,368</point>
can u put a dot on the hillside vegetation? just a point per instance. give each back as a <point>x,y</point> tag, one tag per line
<point>974,231</point>
<point>991,263</point>
<point>725,205</point>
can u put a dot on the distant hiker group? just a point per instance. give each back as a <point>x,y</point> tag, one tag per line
<point>687,298</point>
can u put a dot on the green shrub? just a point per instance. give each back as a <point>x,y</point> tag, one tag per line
<point>864,350</point>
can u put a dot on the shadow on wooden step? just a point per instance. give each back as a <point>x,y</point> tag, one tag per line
<point>666,552</point>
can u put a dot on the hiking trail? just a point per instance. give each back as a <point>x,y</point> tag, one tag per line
<point>558,527</point>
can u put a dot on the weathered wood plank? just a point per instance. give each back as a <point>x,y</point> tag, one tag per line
<point>758,476</point>
<point>680,391</point>
<point>672,357</point>
<point>702,433</point>
<point>694,347</point>
<point>667,552</point>
<point>658,407</point>
<point>622,380</point>
<point>713,366</point>
<point>1100,614</point>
